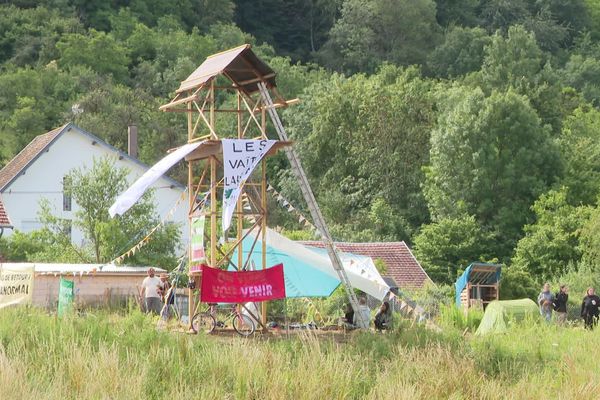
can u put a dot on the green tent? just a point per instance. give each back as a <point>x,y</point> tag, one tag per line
<point>499,314</point>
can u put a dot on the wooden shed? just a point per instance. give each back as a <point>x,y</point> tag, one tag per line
<point>478,286</point>
<point>95,284</point>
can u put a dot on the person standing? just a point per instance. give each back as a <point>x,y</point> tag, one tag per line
<point>165,291</point>
<point>362,316</point>
<point>383,318</point>
<point>545,300</point>
<point>348,318</point>
<point>560,304</point>
<point>150,292</point>
<point>590,309</point>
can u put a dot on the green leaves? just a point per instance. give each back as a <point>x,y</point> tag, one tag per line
<point>552,243</point>
<point>449,245</point>
<point>372,32</point>
<point>491,157</point>
<point>96,50</point>
<point>93,192</point>
<point>579,143</point>
<point>364,142</point>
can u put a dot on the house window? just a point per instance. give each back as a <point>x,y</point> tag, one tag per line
<point>66,193</point>
<point>67,228</point>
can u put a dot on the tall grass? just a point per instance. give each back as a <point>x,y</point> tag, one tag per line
<point>112,356</point>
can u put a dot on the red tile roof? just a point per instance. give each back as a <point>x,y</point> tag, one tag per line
<point>4,220</point>
<point>26,156</point>
<point>402,266</point>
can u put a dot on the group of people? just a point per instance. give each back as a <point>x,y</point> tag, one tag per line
<point>549,303</point>
<point>155,292</point>
<point>362,319</point>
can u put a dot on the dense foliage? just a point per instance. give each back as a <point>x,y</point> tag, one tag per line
<point>467,128</point>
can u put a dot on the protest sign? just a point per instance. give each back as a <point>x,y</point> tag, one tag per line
<point>240,157</point>
<point>16,284</point>
<point>197,243</point>
<point>220,286</point>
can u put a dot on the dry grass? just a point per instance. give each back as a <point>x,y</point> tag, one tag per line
<point>110,356</point>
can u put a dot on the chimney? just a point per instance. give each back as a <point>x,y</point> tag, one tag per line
<point>132,141</point>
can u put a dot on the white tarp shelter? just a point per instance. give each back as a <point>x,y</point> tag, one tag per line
<point>309,272</point>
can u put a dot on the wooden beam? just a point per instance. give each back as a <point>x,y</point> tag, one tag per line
<point>255,80</point>
<point>178,102</point>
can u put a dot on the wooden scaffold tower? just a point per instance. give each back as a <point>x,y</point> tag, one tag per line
<point>237,71</point>
<point>213,116</point>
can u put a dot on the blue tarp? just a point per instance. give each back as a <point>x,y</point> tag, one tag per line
<point>309,272</point>
<point>462,281</point>
<point>301,279</point>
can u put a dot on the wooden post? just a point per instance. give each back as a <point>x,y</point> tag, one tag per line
<point>468,295</point>
<point>263,206</point>
<point>240,209</point>
<point>191,206</point>
<point>213,183</point>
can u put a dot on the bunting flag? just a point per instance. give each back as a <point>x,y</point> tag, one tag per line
<point>240,157</point>
<point>290,208</point>
<point>146,238</point>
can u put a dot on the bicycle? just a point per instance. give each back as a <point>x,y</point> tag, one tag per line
<point>207,322</point>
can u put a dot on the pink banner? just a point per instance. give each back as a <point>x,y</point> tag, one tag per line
<point>220,286</point>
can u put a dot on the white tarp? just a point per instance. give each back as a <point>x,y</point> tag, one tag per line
<point>135,191</point>
<point>240,157</point>
<point>16,284</point>
<point>361,270</point>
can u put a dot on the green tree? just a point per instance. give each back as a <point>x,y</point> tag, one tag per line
<point>29,36</point>
<point>449,245</point>
<point>552,243</point>
<point>97,50</point>
<point>590,241</point>
<point>20,246</point>
<point>461,52</point>
<point>364,142</point>
<point>593,11</point>
<point>490,158</point>
<point>457,12</point>
<point>579,144</point>
<point>555,22</point>
<point>371,32</point>
<point>583,73</point>
<point>93,192</point>
<point>295,28</point>
<point>34,101</point>
<point>516,61</point>
<point>512,60</point>
<point>517,283</point>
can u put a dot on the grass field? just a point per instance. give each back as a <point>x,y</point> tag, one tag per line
<point>123,356</point>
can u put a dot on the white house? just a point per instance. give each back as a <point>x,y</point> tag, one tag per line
<point>39,169</point>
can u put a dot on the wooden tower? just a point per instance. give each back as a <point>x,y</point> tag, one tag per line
<point>206,98</point>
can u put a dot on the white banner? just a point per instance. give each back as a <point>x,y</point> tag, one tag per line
<point>240,157</point>
<point>129,197</point>
<point>16,284</point>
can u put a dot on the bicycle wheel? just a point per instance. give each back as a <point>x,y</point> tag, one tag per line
<point>203,322</point>
<point>243,325</point>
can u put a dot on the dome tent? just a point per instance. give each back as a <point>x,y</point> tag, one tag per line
<point>500,314</point>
